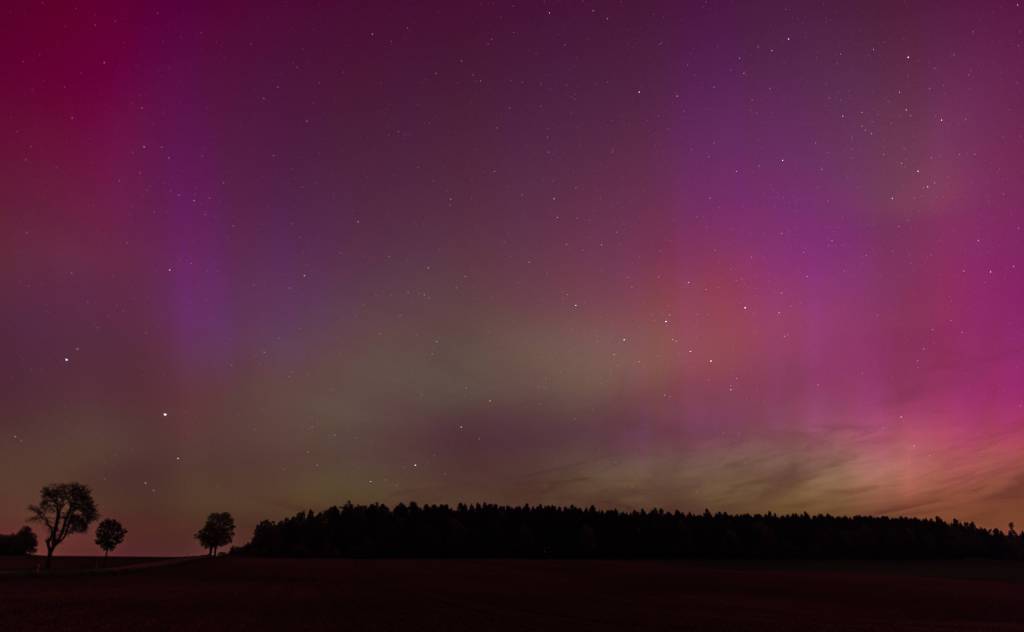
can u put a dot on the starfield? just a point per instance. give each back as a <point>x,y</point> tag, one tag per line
<point>511,315</point>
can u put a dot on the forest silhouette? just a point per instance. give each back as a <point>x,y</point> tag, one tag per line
<point>486,530</point>
<point>543,531</point>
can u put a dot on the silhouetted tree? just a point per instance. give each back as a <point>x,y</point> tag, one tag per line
<point>64,509</point>
<point>218,531</point>
<point>538,531</point>
<point>24,542</point>
<point>109,534</point>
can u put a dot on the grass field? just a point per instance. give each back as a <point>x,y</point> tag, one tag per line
<point>70,563</point>
<point>262,594</point>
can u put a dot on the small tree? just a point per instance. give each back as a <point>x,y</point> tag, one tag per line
<point>218,531</point>
<point>24,542</point>
<point>64,509</point>
<point>27,541</point>
<point>109,534</point>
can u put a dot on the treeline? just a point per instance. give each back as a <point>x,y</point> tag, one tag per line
<point>484,530</point>
<point>24,542</point>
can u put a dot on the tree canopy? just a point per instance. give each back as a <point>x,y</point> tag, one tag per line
<point>64,509</point>
<point>218,531</point>
<point>110,534</point>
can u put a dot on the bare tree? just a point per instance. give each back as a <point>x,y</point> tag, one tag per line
<point>109,534</point>
<point>64,509</point>
<point>218,531</point>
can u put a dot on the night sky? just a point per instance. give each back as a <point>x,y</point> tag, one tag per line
<point>743,256</point>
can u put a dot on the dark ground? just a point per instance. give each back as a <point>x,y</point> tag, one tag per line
<point>267,594</point>
<point>70,563</point>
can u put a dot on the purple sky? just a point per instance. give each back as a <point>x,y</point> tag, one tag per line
<point>743,256</point>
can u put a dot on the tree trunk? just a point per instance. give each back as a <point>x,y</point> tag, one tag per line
<point>49,555</point>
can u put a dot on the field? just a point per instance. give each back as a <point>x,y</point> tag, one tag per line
<point>261,594</point>
<point>71,563</point>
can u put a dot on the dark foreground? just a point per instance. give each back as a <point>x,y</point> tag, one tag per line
<point>267,594</point>
<point>73,564</point>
